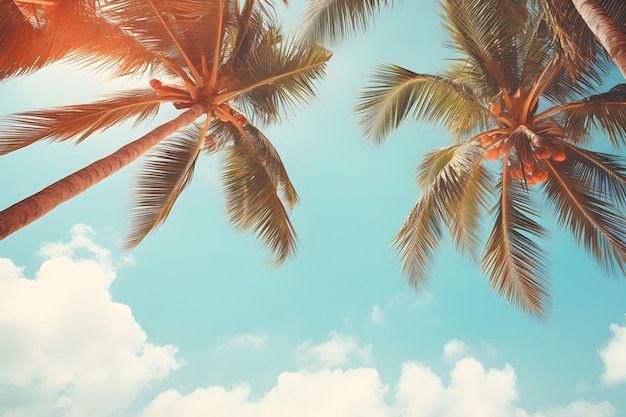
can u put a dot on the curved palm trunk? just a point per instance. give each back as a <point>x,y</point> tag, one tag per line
<point>32,208</point>
<point>605,30</point>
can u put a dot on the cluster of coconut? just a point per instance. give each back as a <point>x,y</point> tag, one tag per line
<point>528,153</point>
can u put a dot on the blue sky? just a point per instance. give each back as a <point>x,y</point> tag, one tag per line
<point>196,321</point>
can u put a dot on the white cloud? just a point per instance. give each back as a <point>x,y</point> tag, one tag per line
<point>454,349</point>
<point>581,408</point>
<point>351,393</point>
<point>377,315</point>
<point>472,391</point>
<point>66,345</point>
<point>614,356</point>
<point>420,300</point>
<point>335,352</point>
<point>254,341</point>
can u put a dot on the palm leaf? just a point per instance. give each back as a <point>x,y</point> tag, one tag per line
<point>451,169</point>
<point>223,133</point>
<point>486,34</point>
<point>591,218</point>
<point>76,121</point>
<point>333,20</point>
<point>276,75</point>
<point>513,261</point>
<point>584,56</point>
<point>603,173</point>
<point>606,111</point>
<point>252,202</point>
<point>166,173</point>
<point>397,93</point>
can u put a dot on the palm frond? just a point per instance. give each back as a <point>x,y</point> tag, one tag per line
<point>76,121</point>
<point>584,56</point>
<point>452,170</point>
<point>166,173</point>
<point>514,262</point>
<point>486,34</point>
<point>465,227</point>
<point>224,133</point>
<point>252,201</point>
<point>329,21</point>
<point>176,30</point>
<point>275,76</point>
<point>591,217</point>
<point>604,174</point>
<point>606,111</point>
<point>397,93</point>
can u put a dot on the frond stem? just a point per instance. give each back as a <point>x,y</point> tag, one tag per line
<point>540,85</point>
<point>192,68</point>
<point>218,47</point>
<point>220,98</point>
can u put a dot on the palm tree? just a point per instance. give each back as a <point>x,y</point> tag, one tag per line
<point>521,125</point>
<point>222,59</point>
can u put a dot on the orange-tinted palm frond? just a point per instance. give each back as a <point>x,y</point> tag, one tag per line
<point>514,262</point>
<point>77,121</point>
<point>181,30</point>
<point>164,176</point>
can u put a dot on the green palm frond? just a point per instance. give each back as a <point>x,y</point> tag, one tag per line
<point>166,173</point>
<point>591,218</point>
<point>514,262</point>
<point>329,21</point>
<point>486,34</point>
<point>452,170</point>
<point>76,121</point>
<point>397,93</point>
<point>465,227</point>
<point>224,133</point>
<point>277,76</point>
<point>273,165</point>
<point>252,202</point>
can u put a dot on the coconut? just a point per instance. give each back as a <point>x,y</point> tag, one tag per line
<point>495,108</point>
<point>559,156</point>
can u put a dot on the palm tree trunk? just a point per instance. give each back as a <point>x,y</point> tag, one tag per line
<point>32,208</point>
<point>605,30</point>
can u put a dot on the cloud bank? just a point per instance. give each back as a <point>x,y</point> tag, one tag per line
<point>67,348</point>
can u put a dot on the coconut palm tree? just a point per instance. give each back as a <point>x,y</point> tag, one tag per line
<point>521,126</point>
<point>226,65</point>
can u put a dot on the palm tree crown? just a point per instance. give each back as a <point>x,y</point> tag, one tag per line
<point>227,63</point>
<point>521,123</point>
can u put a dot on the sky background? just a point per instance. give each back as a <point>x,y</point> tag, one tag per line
<point>196,322</point>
